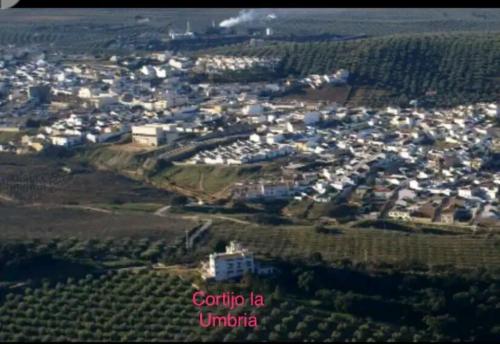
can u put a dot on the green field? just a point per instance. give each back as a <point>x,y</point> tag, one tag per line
<point>153,307</point>
<point>210,182</point>
<point>143,307</point>
<point>112,307</point>
<point>206,179</point>
<point>156,306</point>
<point>366,245</point>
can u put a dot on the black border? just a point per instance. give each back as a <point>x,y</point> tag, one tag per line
<point>255,4</point>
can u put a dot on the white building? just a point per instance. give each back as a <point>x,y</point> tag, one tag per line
<point>252,109</point>
<point>312,117</point>
<point>262,190</point>
<point>154,135</point>
<point>147,135</point>
<point>465,193</point>
<point>233,263</point>
<point>342,75</point>
<point>180,63</point>
<point>65,141</point>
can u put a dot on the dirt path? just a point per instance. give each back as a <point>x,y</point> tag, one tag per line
<point>6,198</point>
<point>231,219</point>
<point>190,217</point>
<point>83,207</point>
<point>225,192</point>
<point>162,210</point>
<point>186,192</point>
<point>201,185</point>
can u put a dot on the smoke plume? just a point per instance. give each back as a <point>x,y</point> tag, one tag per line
<point>246,16</point>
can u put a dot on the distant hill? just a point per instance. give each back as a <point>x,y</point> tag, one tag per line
<point>453,68</point>
<point>384,21</point>
<point>99,30</point>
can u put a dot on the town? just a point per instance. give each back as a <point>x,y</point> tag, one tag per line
<point>407,163</point>
<point>238,174</point>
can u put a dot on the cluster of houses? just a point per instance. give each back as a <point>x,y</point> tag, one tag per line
<point>407,163</point>
<point>403,163</point>
<point>315,80</point>
<point>89,101</point>
<point>220,63</point>
<point>241,152</point>
<point>262,190</point>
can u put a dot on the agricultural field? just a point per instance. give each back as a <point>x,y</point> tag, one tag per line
<point>398,68</point>
<point>148,307</point>
<point>365,245</point>
<point>39,179</point>
<point>379,22</point>
<point>156,306</point>
<point>25,222</point>
<point>112,307</point>
<point>99,31</point>
<point>32,260</point>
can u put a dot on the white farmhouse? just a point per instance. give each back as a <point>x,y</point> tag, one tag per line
<point>233,263</point>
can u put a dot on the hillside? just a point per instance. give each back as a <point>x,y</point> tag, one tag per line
<point>345,306</point>
<point>455,68</point>
<point>384,21</point>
